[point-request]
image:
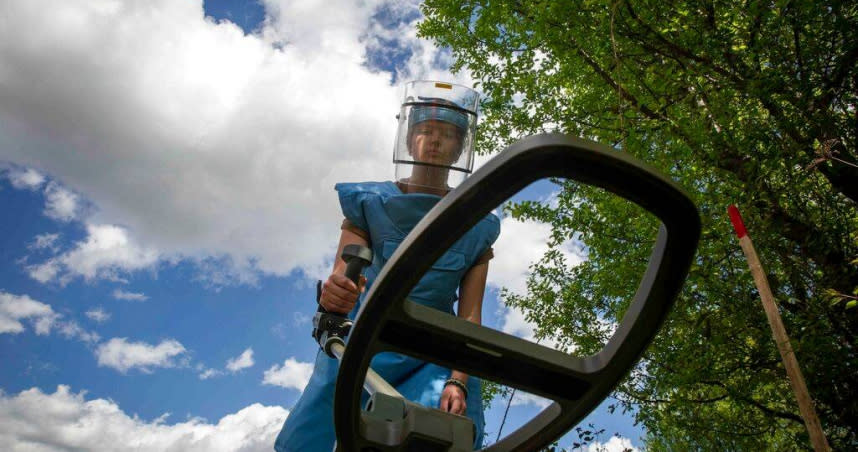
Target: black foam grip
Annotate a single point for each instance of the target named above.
(353, 270)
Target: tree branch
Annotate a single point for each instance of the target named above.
(743, 398)
(679, 50)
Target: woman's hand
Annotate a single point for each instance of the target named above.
(453, 400)
(339, 294)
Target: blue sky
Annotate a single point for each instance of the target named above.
(166, 173)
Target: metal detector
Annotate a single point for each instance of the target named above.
(387, 321)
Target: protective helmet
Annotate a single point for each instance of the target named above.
(435, 142)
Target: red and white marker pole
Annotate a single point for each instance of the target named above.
(796, 380)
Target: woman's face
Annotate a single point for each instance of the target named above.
(435, 142)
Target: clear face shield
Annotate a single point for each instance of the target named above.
(434, 150)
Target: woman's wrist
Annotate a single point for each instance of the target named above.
(459, 375)
(457, 383)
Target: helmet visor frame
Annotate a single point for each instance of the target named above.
(436, 135)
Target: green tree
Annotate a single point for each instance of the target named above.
(752, 103)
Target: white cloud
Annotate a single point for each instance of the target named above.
(200, 140)
(71, 330)
(310, 29)
(44, 241)
(286, 330)
(292, 374)
(44, 272)
(242, 361)
(64, 421)
(523, 398)
(26, 178)
(106, 252)
(120, 294)
(217, 272)
(98, 315)
(428, 62)
(300, 318)
(281, 330)
(205, 374)
(521, 244)
(15, 308)
(615, 444)
(60, 203)
(119, 354)
(107, 249)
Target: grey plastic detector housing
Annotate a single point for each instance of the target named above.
(388, 322)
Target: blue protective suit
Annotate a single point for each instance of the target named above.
(381, 209)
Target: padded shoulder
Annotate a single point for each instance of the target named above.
(353, 195)
(491, 226)
(385, 188)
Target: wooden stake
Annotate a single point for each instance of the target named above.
(805, 403)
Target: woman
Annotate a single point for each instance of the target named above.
(433, 152)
